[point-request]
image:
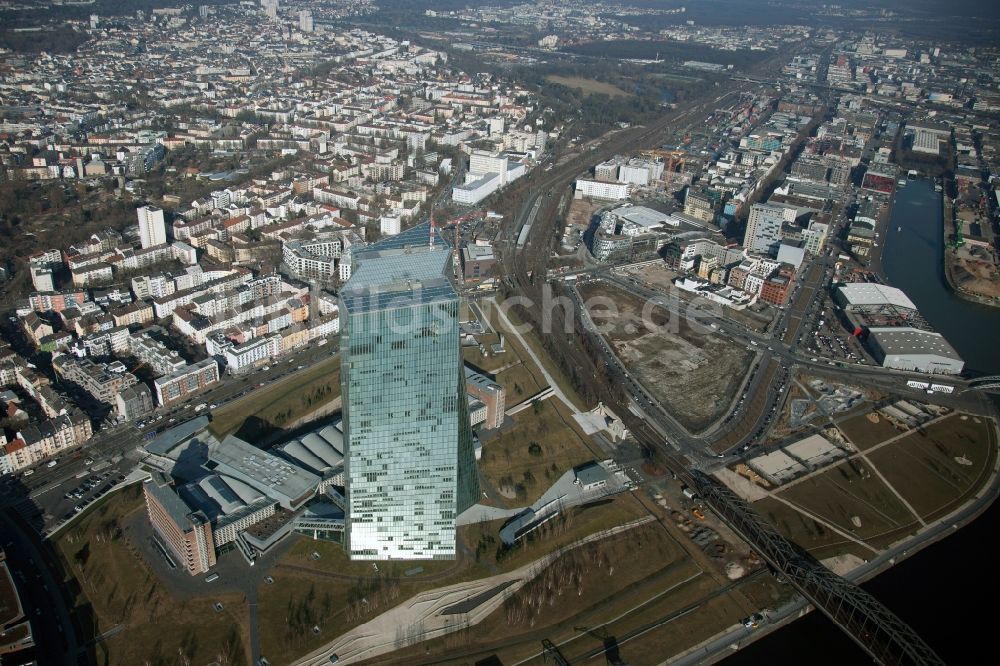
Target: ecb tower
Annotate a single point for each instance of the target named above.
(410, 465)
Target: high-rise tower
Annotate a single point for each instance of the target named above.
(410, 464)
(152, 228)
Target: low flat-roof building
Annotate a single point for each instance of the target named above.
(907, 348)
(290, 485)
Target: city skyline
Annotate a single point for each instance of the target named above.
(392, 331)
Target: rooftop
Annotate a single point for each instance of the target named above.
(641, 215)
(903, 340)
(263, 471)
(870, 293)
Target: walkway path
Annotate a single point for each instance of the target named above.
(824, 522)
(512, 329)
(431, 614)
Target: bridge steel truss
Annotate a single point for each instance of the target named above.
(876, 629)
(991, 383)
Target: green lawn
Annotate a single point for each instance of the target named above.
(588, 86)
(279, 405)
(119, 587)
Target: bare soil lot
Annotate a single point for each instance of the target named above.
(693, 373)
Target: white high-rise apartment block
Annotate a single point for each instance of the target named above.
(152, 229)
(763, 235)
(482, 162)
(305, 20)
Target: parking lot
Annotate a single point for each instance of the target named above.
(91, 489)
(826, 336)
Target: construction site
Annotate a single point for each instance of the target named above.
(692, 373)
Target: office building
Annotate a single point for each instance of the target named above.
(595, 189)
(410, 467)
(478, 261)
(152, 228)
(490, 394)
(185, 382)
(763, 235)
(187, 533)
(42, 277)
(134, 403)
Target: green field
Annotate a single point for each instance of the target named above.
(270, 409)
(588, 86)
(119, 588)
(335, 594)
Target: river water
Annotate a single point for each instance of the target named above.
(912, 261)
(938, 590)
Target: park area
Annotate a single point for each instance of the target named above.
(693, 373)
(634, 592)
(271, 410)
(588, 86)
(527, 457)
(898, 482)
(143, 622)
(319, 594)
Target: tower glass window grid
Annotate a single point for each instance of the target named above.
(410, 467)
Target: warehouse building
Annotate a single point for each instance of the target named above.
(908, 348)
(893, 330)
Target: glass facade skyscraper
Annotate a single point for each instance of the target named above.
(410, 465)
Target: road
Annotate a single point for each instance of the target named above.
(41, 498)
(41, 594)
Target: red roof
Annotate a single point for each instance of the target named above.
(14, 445)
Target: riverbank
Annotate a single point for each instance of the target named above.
(950, 261)
(882, 227)
(921, 581)
(886, 577)
(911, 258)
